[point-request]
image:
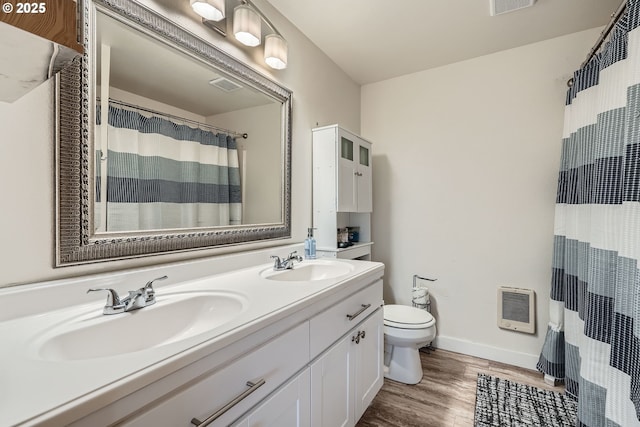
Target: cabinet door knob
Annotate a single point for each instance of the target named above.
(356, 338)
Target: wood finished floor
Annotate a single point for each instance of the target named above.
(446, 395)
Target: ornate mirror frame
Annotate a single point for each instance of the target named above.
(75, 243)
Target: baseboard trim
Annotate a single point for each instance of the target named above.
(516, 358)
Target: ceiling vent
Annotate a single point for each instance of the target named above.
(225, 84)
(498, 7)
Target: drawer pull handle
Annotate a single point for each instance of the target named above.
(252, 387)
(359, 312)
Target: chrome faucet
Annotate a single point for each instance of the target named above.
(287, 263)
(139, 298)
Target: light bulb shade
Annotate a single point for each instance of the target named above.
(213, 10)
(247, 25)
(275, 51)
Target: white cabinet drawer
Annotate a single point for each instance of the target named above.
(274, 362)
(330, 325)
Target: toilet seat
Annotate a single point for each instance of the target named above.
(405, 317)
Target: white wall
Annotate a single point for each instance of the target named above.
(322, 94)
(465, 164)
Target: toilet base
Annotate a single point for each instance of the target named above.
(405, 365)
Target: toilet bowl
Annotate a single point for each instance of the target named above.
(406, 330)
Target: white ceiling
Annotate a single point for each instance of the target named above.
(143, 66)
(374, 40)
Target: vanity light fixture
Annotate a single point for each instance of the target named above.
(275, 51)
(247, 25)
(212, 10)
(247, 29)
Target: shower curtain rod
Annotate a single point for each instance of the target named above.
(182, 119)
(615, 16)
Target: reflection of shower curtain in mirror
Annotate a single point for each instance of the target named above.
(162, 175)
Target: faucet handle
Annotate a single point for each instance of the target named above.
(114, 304)
(293, 256)
(149, 292)
(112, 297)
(278, 262)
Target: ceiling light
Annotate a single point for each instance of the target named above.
(275, 51)
(247, 25)
(212, 10)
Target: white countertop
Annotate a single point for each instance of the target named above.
(35, 388)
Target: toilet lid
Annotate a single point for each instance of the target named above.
(405, 317)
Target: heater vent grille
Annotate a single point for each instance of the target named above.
(516, 309)
(498, 7)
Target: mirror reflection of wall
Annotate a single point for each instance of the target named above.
(173, 151)
(260, 160)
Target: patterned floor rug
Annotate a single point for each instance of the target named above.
(502, 402)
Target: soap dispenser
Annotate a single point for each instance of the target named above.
(310, 245)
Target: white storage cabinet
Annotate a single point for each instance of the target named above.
(342, 190)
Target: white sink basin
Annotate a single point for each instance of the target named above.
(308, 271)
(174, 317)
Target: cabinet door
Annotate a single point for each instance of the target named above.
(224, 390)
(290, 406)
(347, 173)
(332, 388)
(363, 178)
(368, 362)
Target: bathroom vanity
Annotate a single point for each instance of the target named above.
(298, 347)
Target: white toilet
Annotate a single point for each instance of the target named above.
(406, 330)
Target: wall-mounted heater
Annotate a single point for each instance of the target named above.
(498, 7)
(516, 309)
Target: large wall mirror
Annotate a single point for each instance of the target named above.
(165, 143)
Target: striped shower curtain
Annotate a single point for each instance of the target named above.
(593, 339)
(164, 175)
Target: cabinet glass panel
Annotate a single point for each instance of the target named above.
(364, 156)
(346, 149)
